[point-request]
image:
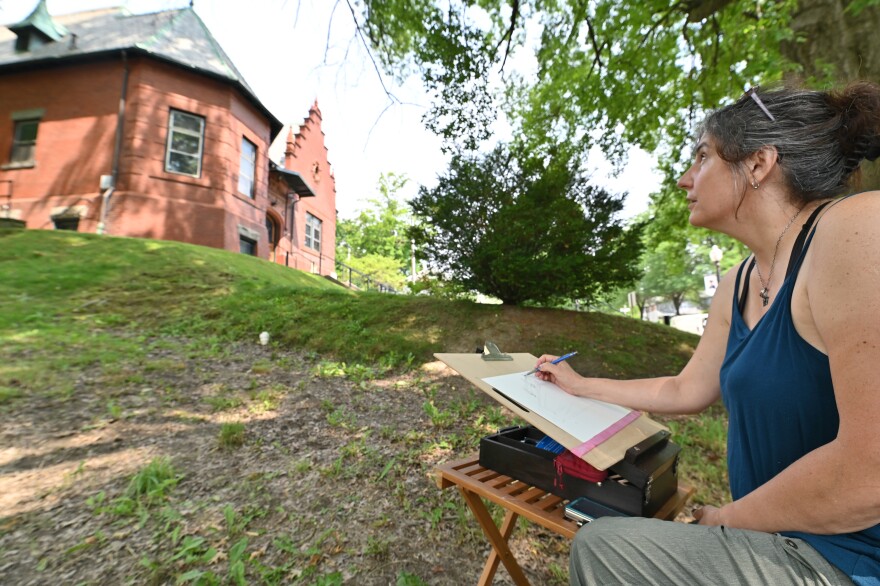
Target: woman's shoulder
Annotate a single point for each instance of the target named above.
(865, 200)
(857, 212)
(847, 235)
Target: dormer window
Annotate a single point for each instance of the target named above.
(37, 29)
(28, 40)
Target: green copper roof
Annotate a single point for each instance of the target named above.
(41, 20)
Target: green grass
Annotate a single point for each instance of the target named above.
(64, 295)
(231, 435)
(71, 303)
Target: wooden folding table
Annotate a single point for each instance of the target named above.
(516, 498)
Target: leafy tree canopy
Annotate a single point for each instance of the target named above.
(380, 228)
(671, 272)
(617, 71)
(376, 241)
(613, 72)
(525, 228)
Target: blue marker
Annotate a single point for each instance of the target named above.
(557, 361)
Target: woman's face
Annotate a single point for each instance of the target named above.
(711, 186)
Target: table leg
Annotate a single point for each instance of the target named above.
(492, 563)
(498, 541)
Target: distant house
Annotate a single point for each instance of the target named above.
(140, 125)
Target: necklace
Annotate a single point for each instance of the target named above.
(765, 287)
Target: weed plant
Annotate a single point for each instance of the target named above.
(231, 435)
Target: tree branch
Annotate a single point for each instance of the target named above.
(360, 34)
(698, 10)
(508, 35)
(582, 15)
(597, 60)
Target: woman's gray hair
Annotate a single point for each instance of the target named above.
(820, 137)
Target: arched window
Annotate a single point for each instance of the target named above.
(273, 233)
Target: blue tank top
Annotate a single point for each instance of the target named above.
(780, 400)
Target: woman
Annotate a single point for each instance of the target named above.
(792, 346)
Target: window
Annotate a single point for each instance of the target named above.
(24, 141)
(273, 230)
(66, 223)
(247, 246)
(186, 135)
(313, 232)
(247, 167)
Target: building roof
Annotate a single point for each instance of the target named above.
(179, 37)
(293, 179)
(41, 20)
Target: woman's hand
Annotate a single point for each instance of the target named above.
(708, 515)
(562, 374)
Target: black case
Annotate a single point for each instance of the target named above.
(638, 485)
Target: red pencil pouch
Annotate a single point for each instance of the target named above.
(568, 463)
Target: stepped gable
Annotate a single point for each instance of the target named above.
(306, 152)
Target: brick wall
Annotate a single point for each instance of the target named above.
(75, 144)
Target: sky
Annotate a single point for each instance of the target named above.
(292, 52)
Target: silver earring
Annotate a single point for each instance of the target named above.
(755, 184)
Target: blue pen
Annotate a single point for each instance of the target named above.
(557, 361)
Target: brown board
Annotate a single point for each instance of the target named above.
(475, 369)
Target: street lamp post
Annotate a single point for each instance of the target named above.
(413, 258)
(715, 255)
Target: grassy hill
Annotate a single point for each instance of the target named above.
(100, 333)
(61, 286)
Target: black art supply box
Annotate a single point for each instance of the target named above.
(638, 485)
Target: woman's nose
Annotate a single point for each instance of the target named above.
(685, 180)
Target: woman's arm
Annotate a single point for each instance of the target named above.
(695, 388)
(835, 488)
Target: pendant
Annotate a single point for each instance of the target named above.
(765, 295)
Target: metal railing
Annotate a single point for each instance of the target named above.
(355, 279)
(345, 275)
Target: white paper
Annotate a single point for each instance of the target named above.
(581, 417)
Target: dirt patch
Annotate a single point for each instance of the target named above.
(331, 484)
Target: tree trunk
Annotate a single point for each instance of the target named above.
(826, 35)
(835, 40)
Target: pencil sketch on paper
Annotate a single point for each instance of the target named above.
(581, 417)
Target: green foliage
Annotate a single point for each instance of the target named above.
(855, 7)
(375, 242)
(407, 579)
(382, 269)
(231, 435)
(147, 488)
(704, 451)
(671, 272)
(616, 71)
(522, 228)
(153, 482)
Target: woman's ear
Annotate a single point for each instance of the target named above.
(761, 163)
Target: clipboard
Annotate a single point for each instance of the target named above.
(472, 367)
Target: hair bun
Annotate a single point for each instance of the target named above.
(872, 153)
(858, 106)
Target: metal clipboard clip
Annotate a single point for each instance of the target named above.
(491, 353)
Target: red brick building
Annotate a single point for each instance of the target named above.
(140, 125)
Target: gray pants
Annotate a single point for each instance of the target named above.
(641, 552)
